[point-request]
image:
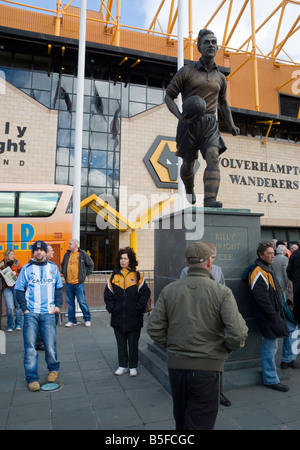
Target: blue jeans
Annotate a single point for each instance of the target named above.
(11, 306)
(268, 352)
(46, 325)
(72, 291)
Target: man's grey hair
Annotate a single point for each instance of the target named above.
(262, 247)
(76, 242)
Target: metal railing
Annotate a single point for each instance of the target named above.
(94, 287)
(94, 291)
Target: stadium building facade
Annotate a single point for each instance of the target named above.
(128, 150)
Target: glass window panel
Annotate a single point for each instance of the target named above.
(7, 202)
(85, 139)
(294, 234)
(155, 96)
(150, 106)
(84, 174)
(87, 86)
(114, 106)
(96, 190)
(41, 81)
(86, 104)
(114, 127)
(55, 83)
(253, 129)
(136, 108)
(67, 83)
(113, 144)
(115, 90)
(84, 177)
(102, 88)
(97, 177)
(294, 136)
(281, 234)
(62, 156)
(281, 134)
(65, 101)
(63, 138)
(113, 191)
(62, 175)
(99, 105)
(21, 78)
(27, 91)
(64, 119)
(84, 195)
(91, 218)
(37, 204)
(125, 101)
(85, 158)
(266, 233)
(85, 122)
(42, 97)
(113, 177)
(98, 141)
(137, 93)
(5, 74)
(98, 159)
(98, 123)
(113, 160)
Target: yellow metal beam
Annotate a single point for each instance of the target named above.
(278, 29)
(255, 71)
(226, 42)
(270, 123)
(116, 219)
(152, 26)
(287, 82)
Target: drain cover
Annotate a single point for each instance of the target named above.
(50, 387)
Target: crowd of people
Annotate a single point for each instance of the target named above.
(195, 319)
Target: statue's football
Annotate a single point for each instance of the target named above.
(193, 107)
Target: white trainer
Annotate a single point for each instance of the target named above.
(121, 370)
(133, 372)
(70, 324)
(88, 323)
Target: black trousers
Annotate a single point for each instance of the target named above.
(128, 351)
(296, 307)
(196, 395)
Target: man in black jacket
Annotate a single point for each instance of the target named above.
(293, 273)
(270, 316)
(76, 266)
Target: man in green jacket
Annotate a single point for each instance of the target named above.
(197, 320)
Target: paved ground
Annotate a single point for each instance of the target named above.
(93, 398)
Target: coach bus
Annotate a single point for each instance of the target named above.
(30, 212)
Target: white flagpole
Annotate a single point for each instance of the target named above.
(79, 123)
(180, 63)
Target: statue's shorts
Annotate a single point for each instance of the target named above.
(198, 135)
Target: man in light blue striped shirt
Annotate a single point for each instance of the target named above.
(39, 293)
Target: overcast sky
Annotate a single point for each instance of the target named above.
(140, 13)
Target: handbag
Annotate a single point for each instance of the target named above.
(148, 306)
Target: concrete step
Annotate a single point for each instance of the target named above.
(155, 360)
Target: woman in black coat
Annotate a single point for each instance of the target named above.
(126, 296)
